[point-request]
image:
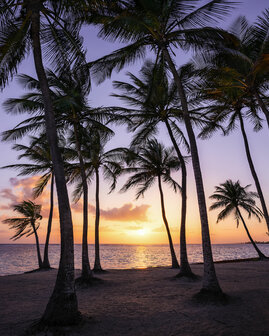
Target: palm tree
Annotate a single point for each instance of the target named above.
(153, 100)
(152, 162)
(28, 224)
(96, 159)
(225, 104)
(25, 26)
(245, 55)
(38, 153)
(163, 26)
(231, 197)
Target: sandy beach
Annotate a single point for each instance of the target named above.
(146, 302)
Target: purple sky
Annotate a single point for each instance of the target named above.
(221, 158)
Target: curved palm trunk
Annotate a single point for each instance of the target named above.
(263, 108)
(37, 246)
(46, 263)
(86, 274)
(62, 307)
(261, 255)
(185, 269)
(210, 281)
(172, 251)
(97, 263)
(253, 171)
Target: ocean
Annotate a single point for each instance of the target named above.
(19, 258)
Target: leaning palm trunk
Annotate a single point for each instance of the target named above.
(172, 251)
(46, 263)
(62, 307)
(210, 281)
(86, 274)
(97, 263)
(261, 255)
(253, 171)
(185, 269)
(37, 246)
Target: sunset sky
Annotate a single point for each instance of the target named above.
(123, 219)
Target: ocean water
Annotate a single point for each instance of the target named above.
(18, 258)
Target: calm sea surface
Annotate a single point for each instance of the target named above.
(18, 258)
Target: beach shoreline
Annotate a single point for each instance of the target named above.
(146, 302)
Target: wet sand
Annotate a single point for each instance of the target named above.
(146, 302)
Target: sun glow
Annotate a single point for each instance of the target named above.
(141, 232)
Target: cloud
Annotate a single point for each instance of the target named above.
(125, 213)
(22, 189)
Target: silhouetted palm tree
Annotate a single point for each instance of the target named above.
(152, 162)
(232, 197)
(28, 224)
(225, 105)
(38, 153)
(96, 159)
(151, 101)
(162, 26)
(26, 26)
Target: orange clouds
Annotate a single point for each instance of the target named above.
(127, 213)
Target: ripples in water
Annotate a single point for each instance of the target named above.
(18, 258)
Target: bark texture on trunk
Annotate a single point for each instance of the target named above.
(172, 251)
(86, 274)
(62, 308)
(210, 281)
(97, 262)
(253, 171)
(37, 246)
(46, 263)
(185, 269)
(261, 255)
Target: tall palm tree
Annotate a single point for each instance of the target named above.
(96, 159)
(28, 224)
(152, 100)
(231, 197)
(151, 163)
(227, 106)
(163, 26)
(27, 26)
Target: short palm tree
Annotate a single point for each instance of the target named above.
(151, 163)
(27, 224)
(232, 198)
(38, 153)
(163, 27)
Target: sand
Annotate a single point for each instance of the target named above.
(146, 302)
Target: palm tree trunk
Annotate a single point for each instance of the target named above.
(185, 269)
(62, 307)
(172, 251)
(37, 246)
(97, 263)
(253, 171)
(261, 255)
(210, 281)
(86, 274)
(46, 263)
(262, 106)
